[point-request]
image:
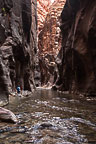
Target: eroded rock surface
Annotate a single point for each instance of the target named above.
(77, 69)
(49, 37)
(17, 44)
(42, 10)
(49, 43)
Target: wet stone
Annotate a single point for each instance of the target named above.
(45, 125)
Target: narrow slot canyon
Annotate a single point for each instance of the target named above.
(47, 72)
(49, 41)
(66, 43)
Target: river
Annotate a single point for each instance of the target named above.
(50, 117)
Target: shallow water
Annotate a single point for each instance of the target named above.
(49, 117)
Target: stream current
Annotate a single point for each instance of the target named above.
(50, 117)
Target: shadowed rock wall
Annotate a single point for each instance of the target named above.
(34, 46)
(77, 69)
(17, 44)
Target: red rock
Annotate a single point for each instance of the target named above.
(42, 10)
(49, 40)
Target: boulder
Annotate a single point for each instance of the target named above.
(7, 115)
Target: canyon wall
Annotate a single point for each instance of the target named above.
(49, 42)
(42, 10)
(49, 37)
(17, 45)
(77, 69)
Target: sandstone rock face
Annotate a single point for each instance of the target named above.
(42, 10)
(49, 37)
(17, 44)
(34, 47)
(77, 69)
(49, 42)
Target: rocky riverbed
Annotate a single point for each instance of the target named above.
(52, 118)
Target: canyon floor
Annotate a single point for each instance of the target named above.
(50, 117)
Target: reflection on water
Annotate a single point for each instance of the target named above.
(48, 117)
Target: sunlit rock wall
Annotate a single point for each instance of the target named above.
(17, 45)
(49, 42)
(49, 37)
(42, 10)
(77, 70)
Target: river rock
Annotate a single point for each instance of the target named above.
(45, 125)
(7, 115)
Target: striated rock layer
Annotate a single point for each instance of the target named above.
(49, 37)
(17, 45)
(49, 42)
(42, 10)
(77, 69)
